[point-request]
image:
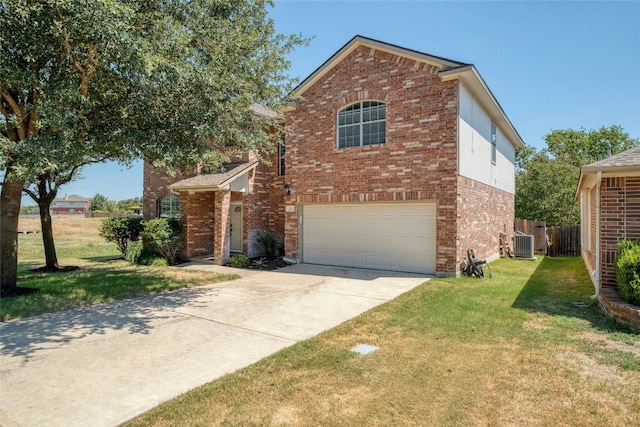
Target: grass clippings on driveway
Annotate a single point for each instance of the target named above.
(526, 347)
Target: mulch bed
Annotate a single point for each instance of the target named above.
(263, 263)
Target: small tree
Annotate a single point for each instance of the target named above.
(121, 231)
(162, 235)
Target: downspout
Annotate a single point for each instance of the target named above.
(596, 272)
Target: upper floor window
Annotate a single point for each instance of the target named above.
(281, 151)
(362, 123)
(169, 207)
(494, 140)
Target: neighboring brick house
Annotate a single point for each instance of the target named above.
(609, 196)
(395, 160)
(71, 205)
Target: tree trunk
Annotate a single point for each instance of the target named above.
(10, 199)
(47, 234)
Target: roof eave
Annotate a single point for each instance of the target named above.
(588, 175)
(358, 41)
(223, 185)
(470, 76)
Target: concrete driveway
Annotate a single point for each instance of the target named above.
(103, 365)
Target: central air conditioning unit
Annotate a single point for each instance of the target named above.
(523, 245)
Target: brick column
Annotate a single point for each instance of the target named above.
(291, 228)
(221, 228)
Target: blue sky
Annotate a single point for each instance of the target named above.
(551, 65)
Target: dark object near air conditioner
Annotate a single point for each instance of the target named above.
(523, 245)
(473, 266)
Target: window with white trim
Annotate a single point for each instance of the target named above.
(494, 140)
(169, 207)
(362, 123)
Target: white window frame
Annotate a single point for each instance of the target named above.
(174, 202)
(361, 123)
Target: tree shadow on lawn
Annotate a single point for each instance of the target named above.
(28, 336)
(561, 286)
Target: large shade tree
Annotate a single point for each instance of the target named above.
(546, 180)
(168, 80)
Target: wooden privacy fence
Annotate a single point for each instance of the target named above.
(564, 240)
(552, 241)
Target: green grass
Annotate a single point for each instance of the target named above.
(515, 349)
(99, 278)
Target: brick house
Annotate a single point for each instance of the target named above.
(395, 159)
(70, 205)
(609, 196)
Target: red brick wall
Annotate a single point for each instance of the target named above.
(619, 219)
(196, 212)
(155, 186)
(262, 208)
(417, 162)
(483, 213)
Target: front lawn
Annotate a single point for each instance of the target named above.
(100, 277)
(526, 347)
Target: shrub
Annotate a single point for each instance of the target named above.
(137, 253)
(268, 242)
(121, 231)
(627, 268)
(162, 235)
(260, 262)
(239, 261)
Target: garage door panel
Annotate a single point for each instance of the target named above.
(395, 236)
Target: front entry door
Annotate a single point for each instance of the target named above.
(236, 228)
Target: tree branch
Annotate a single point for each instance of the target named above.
(17, 110)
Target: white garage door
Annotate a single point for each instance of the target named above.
(387, 236)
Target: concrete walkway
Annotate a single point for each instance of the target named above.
(103, 365)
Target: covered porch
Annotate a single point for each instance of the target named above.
(213, 211)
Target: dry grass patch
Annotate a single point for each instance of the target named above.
(72, 226)
(508, 351)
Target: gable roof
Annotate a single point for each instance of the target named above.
(214, 181)
(449, 70)
(358, 41)
(626, 163)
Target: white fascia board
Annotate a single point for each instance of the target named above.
(476, 85)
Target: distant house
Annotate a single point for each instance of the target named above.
(609, 196)
(71, 205)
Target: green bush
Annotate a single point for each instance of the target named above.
(121, 231)
(627, 268)
(163, 235)
(239, 260)
(268, 242)
(137, 253)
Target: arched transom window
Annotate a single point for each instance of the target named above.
(362, 123)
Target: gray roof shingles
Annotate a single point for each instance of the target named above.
(626, 159)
